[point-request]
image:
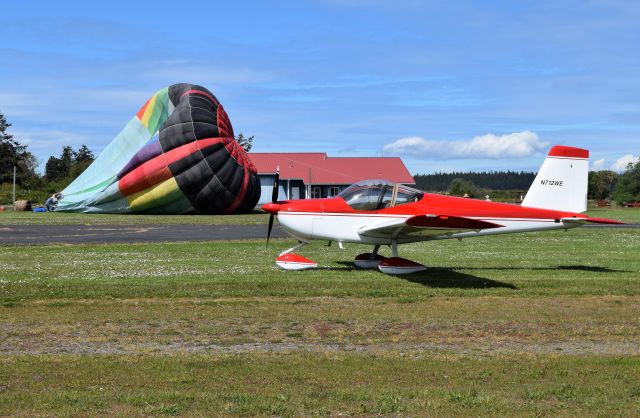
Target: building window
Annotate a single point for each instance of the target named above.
(334, 191)
(316, 192)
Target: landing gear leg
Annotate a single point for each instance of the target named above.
(295, 247)
(289, 261)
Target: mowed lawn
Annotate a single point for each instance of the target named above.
(530, 324)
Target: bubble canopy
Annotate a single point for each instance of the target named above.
(376, 194)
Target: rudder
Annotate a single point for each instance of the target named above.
(561, 183)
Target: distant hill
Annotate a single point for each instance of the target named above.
(491, 180)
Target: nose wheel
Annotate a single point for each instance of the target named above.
(289, 261)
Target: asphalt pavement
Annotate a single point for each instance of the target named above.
(104, 234)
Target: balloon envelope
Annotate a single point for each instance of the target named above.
(177, 155)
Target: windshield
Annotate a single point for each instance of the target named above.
(378, 194)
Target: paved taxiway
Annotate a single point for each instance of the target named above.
(104, 234)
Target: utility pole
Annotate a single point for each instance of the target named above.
(14, 187)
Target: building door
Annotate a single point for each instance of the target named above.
(295, 192)
(266, 187)
(316, 192)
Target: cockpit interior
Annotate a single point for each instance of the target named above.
(379, 194)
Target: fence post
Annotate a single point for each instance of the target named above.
(14, 187)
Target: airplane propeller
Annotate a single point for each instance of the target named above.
(274, 199)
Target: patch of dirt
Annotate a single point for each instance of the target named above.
(14, 347)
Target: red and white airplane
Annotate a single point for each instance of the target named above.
(379, 212)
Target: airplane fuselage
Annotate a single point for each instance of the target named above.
(380, 212)
(332, 219)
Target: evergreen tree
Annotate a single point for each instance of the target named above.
(66, 161)
(69, 165)
(462, 187)
(492, 180)
(628, 186)
(81, 160)
(245, 142)
(52, 169)
(601, 184)
(14, 154)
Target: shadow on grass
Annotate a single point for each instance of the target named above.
(441, 277)
(449, 278)
(594, 269)
(445, 277)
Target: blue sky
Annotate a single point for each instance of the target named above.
(456, 85)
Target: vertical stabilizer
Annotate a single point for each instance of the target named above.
(561, 183)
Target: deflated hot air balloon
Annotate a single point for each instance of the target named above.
(193, 165)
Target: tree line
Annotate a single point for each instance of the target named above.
(508, 185)
(491, 180)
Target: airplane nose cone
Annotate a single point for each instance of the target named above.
(271, 207)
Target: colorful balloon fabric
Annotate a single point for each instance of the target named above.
(192, 165)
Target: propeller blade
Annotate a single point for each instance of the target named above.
(270, 227)
(274, 199)
(276, 183)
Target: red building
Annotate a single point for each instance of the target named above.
(314, 174)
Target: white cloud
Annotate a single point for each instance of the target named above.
(598, 165)
(23, 104)
(620, 165)
(489, 146)
(48, 140)
(46, 143)
(110, 98)
(622, 162)
(206, 75)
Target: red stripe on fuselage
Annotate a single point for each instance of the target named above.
(368, 215)
(432, 204)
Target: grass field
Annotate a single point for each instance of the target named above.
(531, 324)
(303, 384)
(629, 215)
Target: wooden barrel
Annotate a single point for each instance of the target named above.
(20, 206)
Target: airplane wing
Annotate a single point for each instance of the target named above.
(425, 225)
